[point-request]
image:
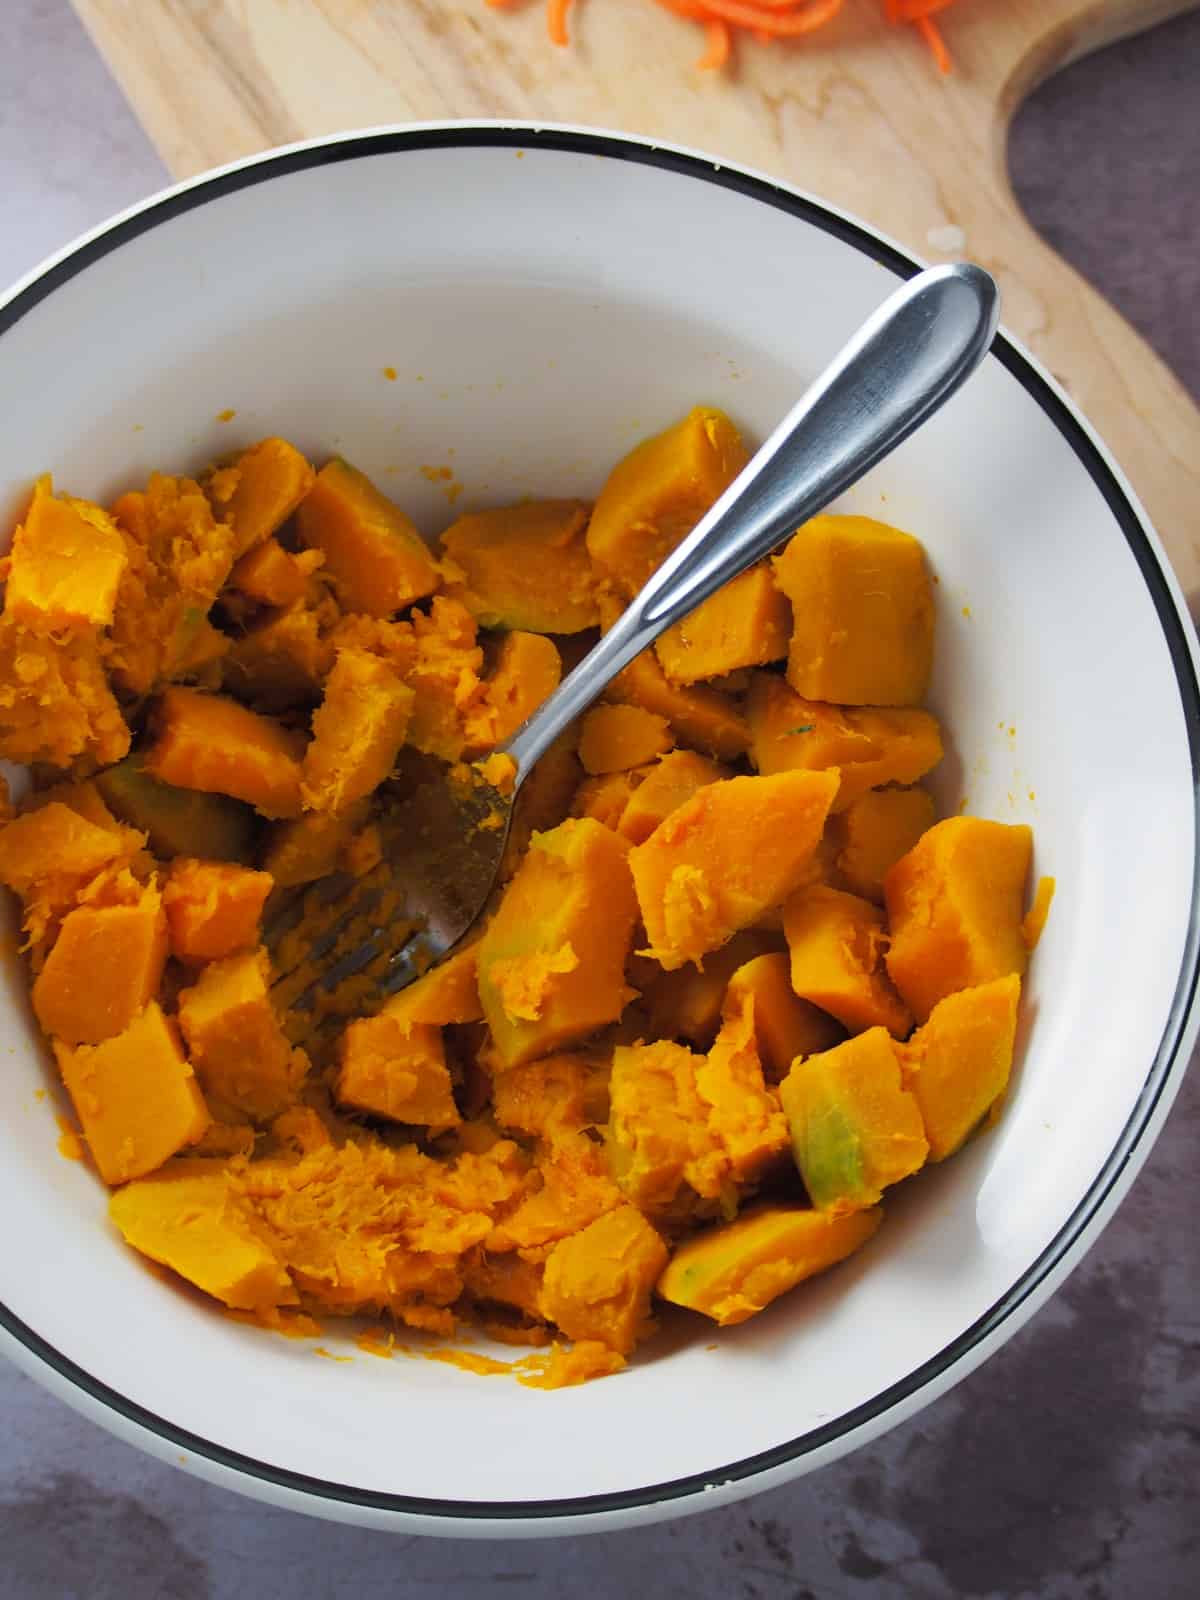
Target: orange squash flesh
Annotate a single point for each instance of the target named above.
(373, 553)
(723, 902)
(696, 886)
(135, 1096)
(209, 743)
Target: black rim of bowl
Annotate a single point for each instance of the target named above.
(614, 147)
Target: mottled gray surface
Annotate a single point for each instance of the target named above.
(1067, 1468)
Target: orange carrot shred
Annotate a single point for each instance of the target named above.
(556, 20)
(717, 46)
(768, 20)
(932, 35)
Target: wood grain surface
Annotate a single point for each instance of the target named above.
(856, 115)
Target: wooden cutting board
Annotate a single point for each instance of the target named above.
(856, 114)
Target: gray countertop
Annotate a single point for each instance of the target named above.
(1067, 1467)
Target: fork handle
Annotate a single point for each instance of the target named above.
(898, 369)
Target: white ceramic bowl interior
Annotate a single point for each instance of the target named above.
(545, 300)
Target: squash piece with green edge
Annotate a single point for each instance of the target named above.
(957, 1064)
(376, 558)
(698, 880)
(868, 746)
(855, 1128)
(863, 614)
(655, 496)
(524, 567)
(177, 821)
(135, 1095)
(837, 943)
(729, 1273)
(187, 1218)
(955, 904)
(552, 960)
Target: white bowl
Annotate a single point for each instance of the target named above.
(547, 297)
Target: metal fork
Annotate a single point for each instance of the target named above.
(443, 844)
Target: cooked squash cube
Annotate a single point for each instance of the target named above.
(747, 623)
(855, 1127)
(552, 960)
(187, 1218)
(274, 576)
(179, 557)
(213, 908)
(206, 742)
(598, 1282)
(238, 1048)
(104, 966)
(377, 560)
(743, 1115)
(733, 851)
(731, 1272)
(309, 847)
(175, 821)
(526, 566)
(398, 1072)
(135, 1096)
(451, 712)
(260, 491)
(871, 835)
(616, 738)
(559, 1094)
(56, 705)
(958, 1063)
(543, 800)
(573, 1188)
(67, 560)
(785, 1026)
(954, 906)
(447, 993)
(606, 797)
(281, 662)
(686, 1002)
(703, 718)
(528, 669)
(357, 732)
(863, 612)
(673, 779)
(658, 1134)
(658, 493)
(867, 747)
(55, 850)
(837, 943)
(506, 1280)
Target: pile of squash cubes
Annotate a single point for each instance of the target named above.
(739, 979)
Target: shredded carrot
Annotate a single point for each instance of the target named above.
(556, 20)
(768, 20)
(717, 47)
